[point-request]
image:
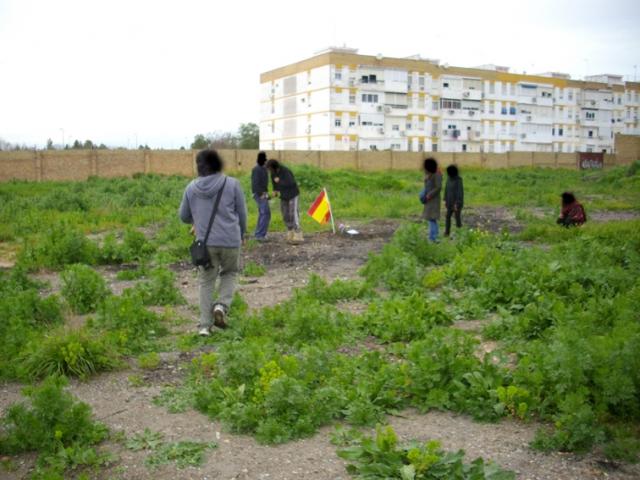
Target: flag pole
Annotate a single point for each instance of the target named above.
(333, 225)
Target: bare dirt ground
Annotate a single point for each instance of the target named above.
(127, 408)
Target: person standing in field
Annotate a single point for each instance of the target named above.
(225, 238)
(285, 186)
(572, 212)
(432, 188)
(260, 191)
(453, 198)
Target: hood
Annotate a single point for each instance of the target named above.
(207, 187)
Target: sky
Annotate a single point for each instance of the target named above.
(130, 72)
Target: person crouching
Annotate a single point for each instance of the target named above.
(285, 186)
(572, 212)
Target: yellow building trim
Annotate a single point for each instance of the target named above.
(425, 67)
(339, 138)
(353, 138)
(338, 89)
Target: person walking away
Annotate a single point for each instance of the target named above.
(572, 212)
(225, 238)
(453, 198)
(432, 188)
(260, 191)
(285, 186)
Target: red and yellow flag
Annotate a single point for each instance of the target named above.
(320, 209)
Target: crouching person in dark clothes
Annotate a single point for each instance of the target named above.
(572, 212)
(286, 187)
(225, 237)
(453, 198)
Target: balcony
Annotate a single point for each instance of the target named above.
(535, 138)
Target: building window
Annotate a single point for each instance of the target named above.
(512, 110)
(369, 98)
(395, 127)
(396, 146)
(591, 115)
(421, 81)
(492, 87)
(435, 105)
(445, 84)
(553, 132)
(503, 111)
(434, 147)
(590, 133)
(338, 76)
(352, 123)
(338, 122)
(369, 79)
(464, 147)
(449, 104)
(352, 99)
(408, 126)
(570, 95)
(560, 132)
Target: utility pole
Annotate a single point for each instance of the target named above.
(62, 147)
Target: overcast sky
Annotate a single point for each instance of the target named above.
(158, 72)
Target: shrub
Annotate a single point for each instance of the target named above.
(129, 325)
(83, 288)
(60, 245)
(158, 289)
(55, 425)
(149, 361)
(74, 353)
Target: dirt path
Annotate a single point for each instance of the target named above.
(124, 407)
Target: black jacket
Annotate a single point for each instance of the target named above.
(259, 180)
(454, 193)
(287, 185)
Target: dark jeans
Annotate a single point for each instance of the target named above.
(264, 216)
(447, 225)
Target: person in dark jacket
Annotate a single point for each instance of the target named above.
(572, 212)
(225, 238)
(285, 186)
(432, 188)
(260, 190)
(453, 198)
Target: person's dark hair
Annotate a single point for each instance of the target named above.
(568, 198)
(262, 159)
(431, 165)
(452, 171)
(208, 162)
(273, 165)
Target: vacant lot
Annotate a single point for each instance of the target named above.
(517, 341)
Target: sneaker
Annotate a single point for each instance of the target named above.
(204, 332)
(219, 316)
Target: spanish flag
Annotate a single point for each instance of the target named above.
(320, 209)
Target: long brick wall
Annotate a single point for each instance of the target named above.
(81, 164)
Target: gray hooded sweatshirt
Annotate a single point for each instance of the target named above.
(230, 223)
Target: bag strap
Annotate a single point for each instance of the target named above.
(214, 211)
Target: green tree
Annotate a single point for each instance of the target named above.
(76, 145)
(199, 142)
(102, 146)
(88, 145)
(49, 144)
(249, 136)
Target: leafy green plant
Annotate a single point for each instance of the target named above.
(182, 453)
(382, 457)
(129, 325)
(253, 269)
(56, 426)
(149, 361)
(159, 288)
(68, 352)
(83, 288)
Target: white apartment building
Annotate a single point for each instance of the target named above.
(340, 100)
